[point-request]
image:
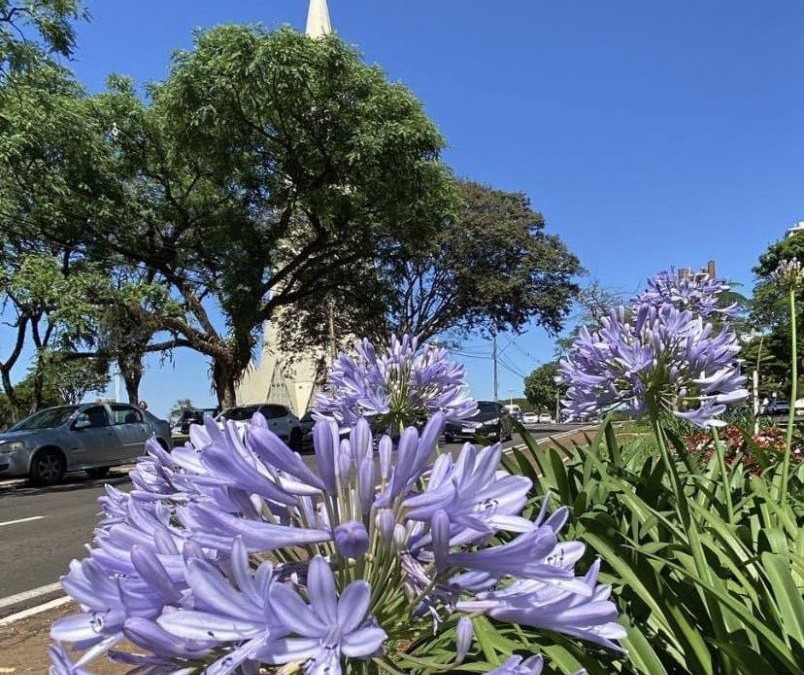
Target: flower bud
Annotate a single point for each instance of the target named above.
(463, 638)
(351, 539)
(400, 536)
(367, 483)
(439, 529)
(386, 446)
(385, 524)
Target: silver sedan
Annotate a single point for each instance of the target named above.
(91, 437)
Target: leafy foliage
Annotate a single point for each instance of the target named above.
(771, 350)
(540, 386)
(491, 268)
(719, 593)
(28, 396)
(30, 29)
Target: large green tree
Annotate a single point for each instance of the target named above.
(263, 172)
(59, 175)
(541, 389)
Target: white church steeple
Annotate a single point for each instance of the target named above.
(318, 24)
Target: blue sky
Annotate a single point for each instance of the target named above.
(649, 134)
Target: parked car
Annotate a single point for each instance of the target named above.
(777, 408)
(530, 418)
(491, 421)
(91, 437)
(192, 416)
(545, 418)
(513, 410)
(279, 417)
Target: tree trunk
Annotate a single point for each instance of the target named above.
(223, 378)
(11, 395)
(131, 370)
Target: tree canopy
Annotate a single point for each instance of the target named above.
(540, 386)
(492, 267)
(770, 348)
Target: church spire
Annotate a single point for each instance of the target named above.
(318, 24)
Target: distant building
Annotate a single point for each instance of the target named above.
(798, 227)
(687, 272)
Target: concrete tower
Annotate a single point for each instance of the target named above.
(318, 24)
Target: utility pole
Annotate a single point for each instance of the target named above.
(494, 358)
(333, 347)
(558, 405)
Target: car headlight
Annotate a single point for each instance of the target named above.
(491, 423)
(12, 446)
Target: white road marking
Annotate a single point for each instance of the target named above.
(27, 595)
(44, 607)
(22, 520)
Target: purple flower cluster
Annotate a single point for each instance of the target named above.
(654, 358)
(697, 293)
(789, 274)
(404, 385)
(231, 555)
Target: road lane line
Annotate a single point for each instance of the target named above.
(22, 520)
(32, 611)
(27, 595)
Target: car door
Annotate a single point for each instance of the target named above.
(93, 438)
(131, 430)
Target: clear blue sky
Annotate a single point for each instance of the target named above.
(649, 134)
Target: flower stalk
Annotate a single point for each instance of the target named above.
(791, 418)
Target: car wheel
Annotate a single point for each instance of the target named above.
(48, 467)
(295, 442)
(99, 472)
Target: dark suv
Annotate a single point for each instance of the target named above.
(492, 421)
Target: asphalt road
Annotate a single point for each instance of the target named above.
(43, 529)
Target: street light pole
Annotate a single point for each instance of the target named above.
(494, 358)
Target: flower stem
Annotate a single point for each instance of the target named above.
(791, 418)
(725, 478)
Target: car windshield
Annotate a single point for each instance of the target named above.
(46, 419)
(487, 408)
(238, 414)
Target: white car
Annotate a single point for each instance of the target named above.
(279, 417)
(544, 418)
(530, 418)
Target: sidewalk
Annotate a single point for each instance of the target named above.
(23, 646)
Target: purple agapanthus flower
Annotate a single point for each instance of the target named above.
(590, 616)
(659, 359)
(697, 293)
(326, 628)
(404, 385)
(234, 553)
(516, 665)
